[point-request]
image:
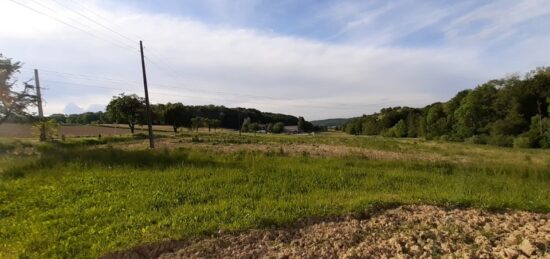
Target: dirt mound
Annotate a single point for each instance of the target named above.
(404, 232)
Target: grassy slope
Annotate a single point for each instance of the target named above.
(81, 201)
(330, 122)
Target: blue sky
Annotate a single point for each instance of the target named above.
(318, 59)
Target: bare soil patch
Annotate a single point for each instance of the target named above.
(13, 130)
(405, 232)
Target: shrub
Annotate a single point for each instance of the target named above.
(279, 127)
(501, 140)
(477, 139)
(444, 138)
(523, 142)
(544, 141)
(388, 133)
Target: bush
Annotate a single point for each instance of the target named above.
(523, 142)
(501, 140)
(544, 141)
(388, 133)
(279, 127)
(443, 138)
(477, 139)
(455, 138)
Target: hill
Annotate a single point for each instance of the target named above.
(511, 111)
(330, 122)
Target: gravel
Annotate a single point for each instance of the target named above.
(405, 232)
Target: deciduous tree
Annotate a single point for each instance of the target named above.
(126, 108)
(13, 102)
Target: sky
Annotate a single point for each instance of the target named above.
(313, 58)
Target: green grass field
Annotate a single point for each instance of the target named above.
(86, 197)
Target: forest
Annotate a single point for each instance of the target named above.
(130, 109)
(511, 111)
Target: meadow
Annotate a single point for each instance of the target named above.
(85, 197)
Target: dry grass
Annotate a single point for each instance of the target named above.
(294, 149)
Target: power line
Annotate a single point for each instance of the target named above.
(81, 23)
(134, 39)
(94, 21)
(88, 77)
(167, 87)
(67, 24)
(111, 88)
(76, 2)
(336, 106)
(87, 85)
(157, 85)
(171, 72)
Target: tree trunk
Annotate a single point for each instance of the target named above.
(175, 129)
(131, 125)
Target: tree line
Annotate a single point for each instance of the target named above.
(16, 101)
(512, 111)
(130, 109)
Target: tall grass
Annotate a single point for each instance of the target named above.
(77, 201)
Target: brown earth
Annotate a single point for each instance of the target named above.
(405, 232)
(13, 130)
(86, 130)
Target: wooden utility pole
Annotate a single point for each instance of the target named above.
(147, 106)
(39, 104)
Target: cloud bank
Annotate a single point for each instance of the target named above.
(372, 56)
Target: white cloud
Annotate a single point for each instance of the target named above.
(496, 18)
(71, 108)
(203, 64)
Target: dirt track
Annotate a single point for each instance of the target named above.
(404, 232)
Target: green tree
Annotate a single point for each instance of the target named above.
(278, 127)
(512, 124)
(127, 109)
(215, 124)
(476, 111)
(436, 121)
(158, 112)
(196, 123)
(246, 125)
(400, 129)
(177, 116)
(413, 125)
(48, 127)
(58, 118)
(253, 127)
(13, 103)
